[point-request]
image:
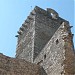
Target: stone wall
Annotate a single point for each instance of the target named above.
(47, 40)
(55, 58)
(69, 61)
(25, 45)
(13, 66)
(45, 27)
(35, 33)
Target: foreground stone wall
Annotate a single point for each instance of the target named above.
(55, 59)
(13, 66)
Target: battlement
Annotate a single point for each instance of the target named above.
(40, 10)
(50, 13)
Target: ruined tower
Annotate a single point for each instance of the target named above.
(46, 39)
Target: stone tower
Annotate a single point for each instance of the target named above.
(46, 39)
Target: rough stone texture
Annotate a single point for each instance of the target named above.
(57, 58)
(45, 27)
(13, 66)
(44, 39)
(35, 32)
(26, 40)
(48, 41)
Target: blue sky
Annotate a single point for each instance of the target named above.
(14, 12)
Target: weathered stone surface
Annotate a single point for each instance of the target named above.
(36, 34)
(48, 41)
(13, 66)
(45, 40)
(57, 57)
(53, 13)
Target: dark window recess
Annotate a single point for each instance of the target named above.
(57, 41)
(40, 62)
(45, 56)
(61, 22)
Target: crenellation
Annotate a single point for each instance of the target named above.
(30, 17)
(19, 32)
(24, 25)
(16, 35)
(27, 20)
(33, 13)
(40, 11)
(71, 26)
(22, 28)
(52, 13)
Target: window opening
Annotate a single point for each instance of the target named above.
(45, 56)
(57, 41)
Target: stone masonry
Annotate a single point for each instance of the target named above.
(45, 46)
(35, 33)
(57, 58)
(13, 66)
(46, 39)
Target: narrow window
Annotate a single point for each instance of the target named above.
(57, 41)
(45, 56)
